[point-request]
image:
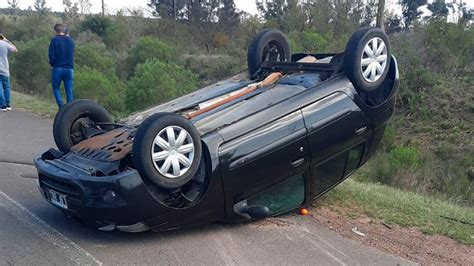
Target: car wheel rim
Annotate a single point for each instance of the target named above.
(273, 52)
(77, 129)
(373, 60)
(172, 151)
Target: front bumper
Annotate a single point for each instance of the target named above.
(117, 199)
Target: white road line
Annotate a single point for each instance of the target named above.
(74, 252)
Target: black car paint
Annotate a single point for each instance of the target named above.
(250, 146)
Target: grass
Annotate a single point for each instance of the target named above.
(406, 209)
(33, 104)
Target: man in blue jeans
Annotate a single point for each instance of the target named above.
(61, 59)
(6, 47)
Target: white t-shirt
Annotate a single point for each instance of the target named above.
(5, 49)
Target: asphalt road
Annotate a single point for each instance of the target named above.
(33, 232)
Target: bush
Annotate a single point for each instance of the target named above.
(156, 82)
(150, 48)
(116, 37)
(112, 32)
(450, 46)
(92, 84)
(312, 42)
(97, 24)
(415, 77)
(95, 56)
(247, 29)
(388, 167)
(211, 68)
(87, 37)
(30, 67)
(33, 26)
(388, 140)
(221, 40)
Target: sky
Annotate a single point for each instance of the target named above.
(114, 5)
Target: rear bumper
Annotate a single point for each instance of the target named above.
(116, 199)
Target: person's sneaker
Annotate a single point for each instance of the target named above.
(3, 109)
(9, 108)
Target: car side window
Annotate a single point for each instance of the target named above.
(285, 196)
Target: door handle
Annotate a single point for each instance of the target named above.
(297, 163)
(360, 130)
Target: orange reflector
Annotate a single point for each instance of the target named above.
(304, 211)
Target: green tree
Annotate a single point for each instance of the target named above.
(229, 18)
(198, 11)
(465, 13)
(13, 4)
(410, 11)
(294, 17)
(30, 67)
(337, 17)
(272, 11)
(71, 11)
(32, 26)
(321, 15)
(85, 6)
(40, 6)
(150, 48)
(439, 9)
(369, 13)
(98, 25)
(96, 57)
(348, 15)
(393, 23)
(166, 8)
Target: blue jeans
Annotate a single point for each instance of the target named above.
(4, 91)
(65, 75)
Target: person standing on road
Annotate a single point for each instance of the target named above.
(61, 59)
(6, 47)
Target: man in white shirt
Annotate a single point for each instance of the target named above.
(6, 47)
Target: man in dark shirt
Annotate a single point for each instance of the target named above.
(61, 59)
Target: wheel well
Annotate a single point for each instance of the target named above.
(190, 193)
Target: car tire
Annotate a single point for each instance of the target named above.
(267, 45)
(167, 150)
(70, 120)
(366, 64)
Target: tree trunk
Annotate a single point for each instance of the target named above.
(103, 8)
(380, 19)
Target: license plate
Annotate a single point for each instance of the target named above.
(57, 198)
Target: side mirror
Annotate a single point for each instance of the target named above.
(258, 211)
(251, 211)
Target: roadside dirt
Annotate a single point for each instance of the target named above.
(408, 243)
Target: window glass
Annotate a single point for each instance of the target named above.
(353, 159)
(283, 197)
(329, 173)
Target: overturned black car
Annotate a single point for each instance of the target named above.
(252, 146)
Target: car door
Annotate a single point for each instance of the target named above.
(337, 135)
(264, 157)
